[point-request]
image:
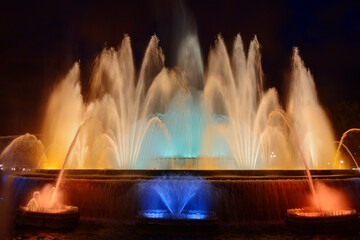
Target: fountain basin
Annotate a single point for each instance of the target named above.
(243, 197)
(58, 219)
(188, 223)
(306, 220)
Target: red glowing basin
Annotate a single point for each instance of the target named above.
(308, 220)
(67, 217)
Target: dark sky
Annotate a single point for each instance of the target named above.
(40, 40)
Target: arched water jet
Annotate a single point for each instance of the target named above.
(282, 113)
(350, 154)
(24, 153)
(341, 144)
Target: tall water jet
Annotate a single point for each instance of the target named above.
(121, 108)
(63, 116)
(235, 89)
(190, 62)
(309, 120)
(138, 120)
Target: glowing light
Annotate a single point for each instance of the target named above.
(341, 161)
(164, 214)
(180, 196)
(328, 199)
(273, 155)
(329, 202)
(313, 213)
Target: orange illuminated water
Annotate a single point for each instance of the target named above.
(327, 202)
(218, 114)
(47, 200)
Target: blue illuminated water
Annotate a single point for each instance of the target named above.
(160, 213)
(189, 135)
(182, 197)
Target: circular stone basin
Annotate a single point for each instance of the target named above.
(67, 217)
(188, 223)
(308, 220)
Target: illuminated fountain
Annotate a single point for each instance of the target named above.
(176, 204)
(46, 208)
(329, 211)
(24, 153)
(159, 118)
(177, 195)
(218, 122)
(120, 110)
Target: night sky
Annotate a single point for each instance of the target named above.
(40, 41)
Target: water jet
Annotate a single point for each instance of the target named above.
(226, 134)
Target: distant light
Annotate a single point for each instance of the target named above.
(355, 153)
(273, 155)
(1, 165)
(1, 198)
(328, 163)
(341, 161)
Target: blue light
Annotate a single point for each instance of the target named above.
(163, 214)
(193, 214)
(155, 214)
(176, 197)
